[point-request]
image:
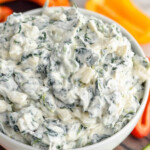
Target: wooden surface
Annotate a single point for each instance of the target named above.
(130, 142)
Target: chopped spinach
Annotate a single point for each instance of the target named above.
(51, 132)
(16, 42)
(81, 128)
(19, 29)
(43, 36)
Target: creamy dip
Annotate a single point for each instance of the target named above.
(67, 80)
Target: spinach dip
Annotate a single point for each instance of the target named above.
(67, 80)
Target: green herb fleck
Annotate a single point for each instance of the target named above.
(59, 147)
(81, 128)
(36, 141)
(44, 98)
(114, 68)
(113, 60)
(17, 42)
(43, 37)
(19, 29)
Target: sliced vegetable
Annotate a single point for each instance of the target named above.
(125, 8)
(42, 2)
(61, 2)
(4, 13)
(147, 147)
(52, 2)
(118, 11)
(143, 126)
(5, 1)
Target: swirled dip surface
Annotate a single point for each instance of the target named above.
(66, 80)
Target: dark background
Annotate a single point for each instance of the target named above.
(21, 5)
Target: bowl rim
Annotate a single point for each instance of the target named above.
(134, 45)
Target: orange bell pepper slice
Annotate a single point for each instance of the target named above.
(129, 11)
(42, 2)
(52, 2)
(145, 38)
(62, 2)
(140, 34)
(4, 13)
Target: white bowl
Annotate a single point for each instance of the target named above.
(113, 141)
